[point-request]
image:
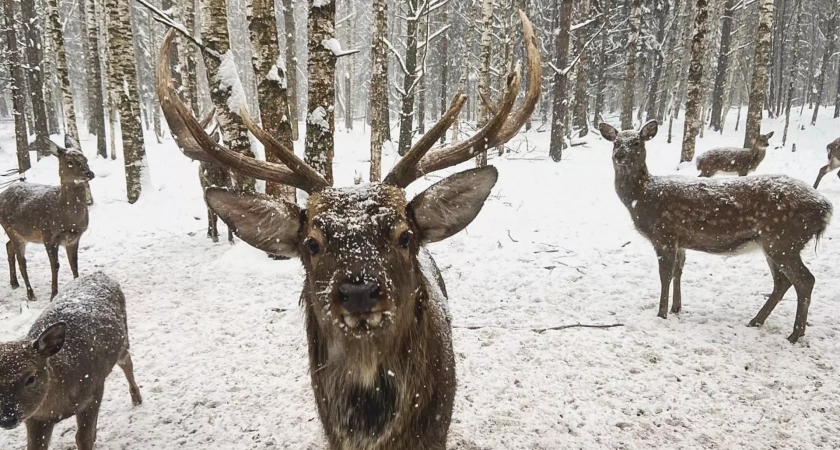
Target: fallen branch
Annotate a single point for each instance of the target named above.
(539, 330)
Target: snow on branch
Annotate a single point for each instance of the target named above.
(585, 23)
(167, 20)
(334, 46)
(568, 69)
(396, 54)
(434, 35)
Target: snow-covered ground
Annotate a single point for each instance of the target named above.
(220, 351)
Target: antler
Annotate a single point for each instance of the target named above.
(197, 144)
(501, 128)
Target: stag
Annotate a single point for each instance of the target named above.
(51, 215)
(833, 161)
(734, 160)
(380, 348)
(777, 213)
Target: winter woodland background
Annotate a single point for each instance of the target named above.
(217, 336)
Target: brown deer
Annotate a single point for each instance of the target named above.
(380, 348)
(735, 160)
(777, 213)
(833, 161)
(214, 174)
(50, 215)
(59, 369)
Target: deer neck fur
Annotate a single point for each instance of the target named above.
(630, 183)
(73, 198)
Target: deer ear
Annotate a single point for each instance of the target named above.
(270, 225)
(449, 205)
(51, 340)
(71, 142)
(770, 134)
(649, 130)
(608, 131)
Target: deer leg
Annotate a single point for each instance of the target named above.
(52, 254)
(20, 254)
(230, 236)
(10, 252)
(86, 420)
(676, 304)
(38, 434)
(780, 286)
(803, 281)
(820, 175)
(667, 259)
(127, 367)
(212, 222)
(73, 258)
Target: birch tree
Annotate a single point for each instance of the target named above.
(797, 33)
(61, 70)
(484, 72)
(378, 110)
(18, 83)
(717, 113)
(830, 32)
(560, 110)
(96, 102)
(124, 79)
(291, 64)
(320, 117)
(270, 73)
(582, 79)
(759, 78)
(693, 120)
(410, 77)
(629, 90)
(190, 75)
(34, 53)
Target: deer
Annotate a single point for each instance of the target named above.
(58, 369)
(51, 215)
(738, 160)
(833, 161)
(214, 174)
(775, 213)
(378, 329)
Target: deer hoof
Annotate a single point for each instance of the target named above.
(755, 323)
(14, 284)
(30, 295)
(794, 337)
(676, 309)
(214, 238)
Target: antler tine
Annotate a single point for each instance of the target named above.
(167, 97)
(518, 118)
(502, 126)
(401, 174)
(283, 153)
(197, 144)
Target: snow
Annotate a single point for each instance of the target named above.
(278, 72)
(229, 79)
(217, 334)
(318, 118)
(334, 46)
(321, 3)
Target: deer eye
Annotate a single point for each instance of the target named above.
(312, 245)
(30, 380)
(405, 239)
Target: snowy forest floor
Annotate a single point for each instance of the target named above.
(220, 350)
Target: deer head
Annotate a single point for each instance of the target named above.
(359, 245)
(629, 146)
(72, 164)
(26, 374)
(763, 140)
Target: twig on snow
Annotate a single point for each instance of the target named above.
(540, 330)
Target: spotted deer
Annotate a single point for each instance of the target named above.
(59, 369)
(51, 215)
(380, 347)
(734, 160)
(833, 161)
(776, 213)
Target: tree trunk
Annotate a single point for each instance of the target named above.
(96, 107)
(465, 64)
(629, 90)
(409, 80)
(759, 79)
(830, 30)
(320, 119)
(797, 33)
(291, 64)
(718, 114)
(484, 72)
(191, 61)
(603, 62)
(18, 83)
(423, 37)
(582, 81)
(663, 7)
(444, 66)
(125, 79)
(270, 73)
(693, 120)
(61, 69)
(560, 109)
(378, 110)
(34, 55)
(349, 66)
(224, 83)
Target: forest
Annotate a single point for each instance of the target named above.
(403, 224)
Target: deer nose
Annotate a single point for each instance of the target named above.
(89, 174)
(359, 296)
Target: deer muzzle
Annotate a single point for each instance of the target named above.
(9, 418)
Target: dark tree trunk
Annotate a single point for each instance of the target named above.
(444, 66)
(663, 7)
(409, 77)
(693, 119)
(830, 30)
(718, 115)
(18, 82)
(96, 107)
(629, 90)
(34, 55)
(560, 110)
(759, 80)
(603, 62)
(291, 64)
(320, 119)
(582, 81)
